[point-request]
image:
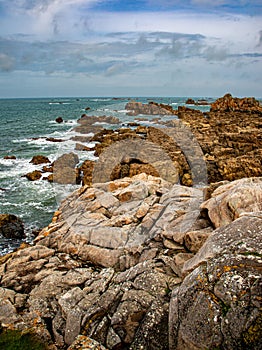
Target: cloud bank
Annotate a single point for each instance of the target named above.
(136, 48)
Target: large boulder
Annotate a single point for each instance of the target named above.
(64, 171)
(218, 305)
(231, 200)
(11, 226)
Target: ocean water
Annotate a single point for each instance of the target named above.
(24, 126)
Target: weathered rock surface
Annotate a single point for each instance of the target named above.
(64, 171)
(34, 175)
(88, 124)
(86, 172)
(218, 305)
(152, 108)
(102, 273)
(231, 141)
(104, 267)
(228, 103)
(11, 226)
(190, 101)
(228, 202)
(39, 159)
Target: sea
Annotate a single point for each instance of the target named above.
(25, 125)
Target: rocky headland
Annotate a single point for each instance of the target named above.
(152, 251)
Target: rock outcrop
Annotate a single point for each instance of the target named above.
(11, 226)
(228, 103)
(152, 108)
(231, 142)
(229, 201)
(94, 124)
(143, 262)
(218, 305)
(135, 263)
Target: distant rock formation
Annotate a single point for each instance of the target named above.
(228, 103)
(152, 108)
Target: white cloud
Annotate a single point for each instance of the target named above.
(6, 63)
(68, 45)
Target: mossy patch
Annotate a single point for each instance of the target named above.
(15, 340)
(253, 335)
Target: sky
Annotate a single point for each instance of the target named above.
(56, 48)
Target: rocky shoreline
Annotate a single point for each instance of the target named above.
(148, 258)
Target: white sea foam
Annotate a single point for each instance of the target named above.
(100, 99)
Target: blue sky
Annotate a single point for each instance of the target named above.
(130, 48)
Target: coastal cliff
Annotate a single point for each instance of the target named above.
(141, 261)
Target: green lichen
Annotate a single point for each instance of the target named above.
(254, 333)
(15, 340)
(224, 308)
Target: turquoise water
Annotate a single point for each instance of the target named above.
(24, 126)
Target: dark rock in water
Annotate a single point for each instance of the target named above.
(39, 159)
(52, 139)
(9, 157)
(133, 124)
(49, 178)
(47, 169)
(87, 108)
(190, 101)
(59, 120)
(202, 103)
(34, 175)
(11, 226)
